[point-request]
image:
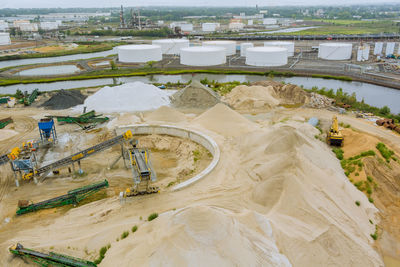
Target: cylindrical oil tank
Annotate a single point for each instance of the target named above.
(288, 45)
(5, 38)
(139, 53)
(171, 46)
(363, 52)
(203, 56)
(335, 51)
(230, 46)
(266, 56)
(243, 48)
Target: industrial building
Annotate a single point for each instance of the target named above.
(5, 38)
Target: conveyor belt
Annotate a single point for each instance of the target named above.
(51, 259)
(43, 171)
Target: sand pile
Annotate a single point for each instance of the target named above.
(200, 236)
(252, 97)
(6, 133)
(223, 120)
(123, 120)
(195, 95)
(166, 114)
(64, 99)
(287, 93)
(136, 96)
(308, 199)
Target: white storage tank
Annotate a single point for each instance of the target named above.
(230, 46)
(5, 38)
(266, 56)
(203, 56)
(171, 46)
(363, 52)
(378, 48)
(139, 53)
(335, 51)
(209, 27)
(288, 45)
(243, 48)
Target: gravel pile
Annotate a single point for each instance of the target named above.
(319, 101)
(64, 99)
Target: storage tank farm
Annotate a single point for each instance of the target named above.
(288, 45)
(230, 46)
(243, 48)
(335, 51)
(203, 56)
(5, 38)
(139, 53)
(171, 46)
(266, 56)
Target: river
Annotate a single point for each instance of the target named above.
(374, 95)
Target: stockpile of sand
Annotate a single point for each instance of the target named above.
(123, 120)
(252, 97)
(308, 199)
(136, 96)
(195, 95)
(287, 93)
(223, 120)
(166, 114)
(64, 99)
(200, 236)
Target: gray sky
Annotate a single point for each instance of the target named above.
(110, 3)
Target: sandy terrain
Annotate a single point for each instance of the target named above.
(278, 196)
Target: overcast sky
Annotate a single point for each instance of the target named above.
(111, 3)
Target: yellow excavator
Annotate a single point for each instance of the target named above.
(335, 137)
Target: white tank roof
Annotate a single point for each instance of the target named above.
(288, 45)
(5, 38)
(230, 46)
(266, 56)
(243, 48)
(171, 46)
(139, 53)
(335, 51)
(203, 56)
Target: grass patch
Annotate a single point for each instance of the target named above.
(152, 216)
(358, 203)
(171, 184)
(344, 125)
(338, 152)
(134, 228)
(196, 155)
(102, 254)
(124, 235)
(385, 152)
(375, 235)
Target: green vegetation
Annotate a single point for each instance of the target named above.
(152, 216)
(375, 235)
(124, 235)
(385, 152)
(163, 32)
(92, 48)
(338, 152)
(134, 228)
(358, 203)
(171, 184)
(102, 254)
(345, 125)
(196, 155)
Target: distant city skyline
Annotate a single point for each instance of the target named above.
(186, 3)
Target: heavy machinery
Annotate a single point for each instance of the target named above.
(143, 172)
(334, 136)
(77, 157)
(88, 117)
(28, 99)
(49, 259)
(47, 131)
(72, 197)
(5, 122)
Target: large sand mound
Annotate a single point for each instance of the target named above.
(252, 97)
(310, 202)
(225, 121)
(166, 114)
(287, 93)
(200, 236)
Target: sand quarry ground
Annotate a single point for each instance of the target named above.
(278, 196)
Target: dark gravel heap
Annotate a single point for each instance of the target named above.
(64, 99)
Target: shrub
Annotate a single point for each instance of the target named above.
(358, 203)
(102, 254)
(152, 216)
(338, 152)
(124, 235)
(134, 228)
(370, 199)
(385, 152)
